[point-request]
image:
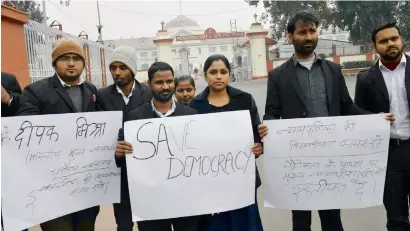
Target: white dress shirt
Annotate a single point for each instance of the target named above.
(64, 84)
(174, 105)
(124, 97)
(399, 105)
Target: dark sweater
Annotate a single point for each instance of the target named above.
(76, 95)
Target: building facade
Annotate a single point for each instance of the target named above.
(191, 46)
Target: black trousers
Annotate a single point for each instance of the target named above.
(397, 187)
(193, 223)
(123, 215)
(329, 219)
(83, 220)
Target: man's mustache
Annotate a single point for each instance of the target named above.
(162, 92)
(309, 43)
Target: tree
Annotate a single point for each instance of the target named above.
(279, 12)
(404, 21)
(359, 17)
(32, 8)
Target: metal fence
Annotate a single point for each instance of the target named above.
(39, 41)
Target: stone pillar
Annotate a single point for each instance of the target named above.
(13, 44)
(87, 67)
(258, 51)
(164, 47)
(184, 61)
(103, 67)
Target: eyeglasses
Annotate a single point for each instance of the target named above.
(75, 59)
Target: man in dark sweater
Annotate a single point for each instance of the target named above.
(124, 95)
(307, 86)
(161, 80)
(62, 93)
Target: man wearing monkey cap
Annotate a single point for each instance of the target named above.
(62, 93)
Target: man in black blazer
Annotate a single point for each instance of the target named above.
(161, 80)
(386, 87)
(64, 92)
(10, 94)
(124, 95)
(307, 86)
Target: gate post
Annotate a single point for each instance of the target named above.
(13, 44)
(103, 70)
(164, 47)
(87, 63)
(258, 51)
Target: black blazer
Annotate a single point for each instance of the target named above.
(10, 84)
(371, 91)
(146, 112)
(143, 112)
(239, 100)
(109, 99)
(286, 100)
(48, 96)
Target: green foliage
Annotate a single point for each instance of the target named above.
(357, 64)
(32, 8)
(279, 12)
(359, 17)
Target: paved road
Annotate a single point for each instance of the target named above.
(371, 219)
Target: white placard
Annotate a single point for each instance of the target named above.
(326, 163)
(53, 165)
(190, 165)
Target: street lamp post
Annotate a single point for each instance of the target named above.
(99, 26)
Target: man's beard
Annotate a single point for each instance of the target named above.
(71, 76)
(301, 49)
(389, 57)
(122, 83)
(161, 97)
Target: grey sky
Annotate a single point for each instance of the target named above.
(126, 19)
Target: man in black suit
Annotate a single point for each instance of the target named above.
(124, 95)
(386, 87)
(307, 86)
(10, 94)
(63, 93)
(161, 80)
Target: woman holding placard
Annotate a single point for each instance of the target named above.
(220, 97)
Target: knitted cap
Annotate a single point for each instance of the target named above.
(65, 46)
(126, 55)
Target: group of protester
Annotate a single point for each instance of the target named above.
(305, 86)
